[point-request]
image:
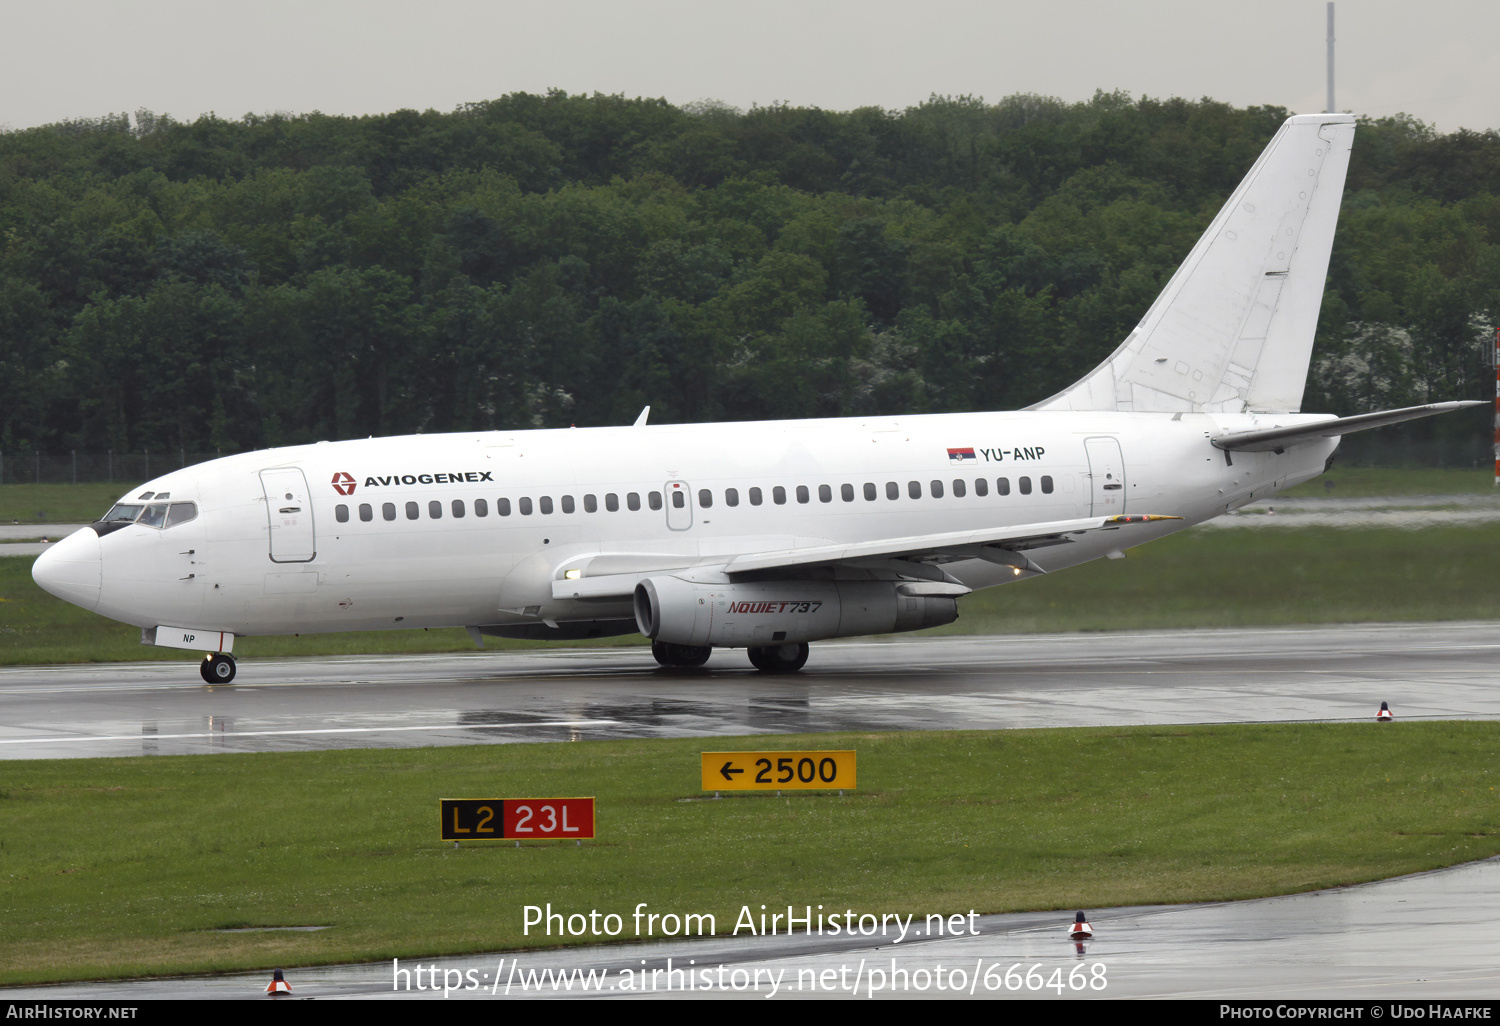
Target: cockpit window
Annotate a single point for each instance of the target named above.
(181, 513)
(146, 495)
(154, 515)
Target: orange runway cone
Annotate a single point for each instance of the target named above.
(278, 985)
(1384, 715)
(1080, 928)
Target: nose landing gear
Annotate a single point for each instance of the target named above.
(217, 668)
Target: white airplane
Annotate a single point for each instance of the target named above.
(763, 536)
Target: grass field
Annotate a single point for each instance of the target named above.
(128, 867)
(1200, 578)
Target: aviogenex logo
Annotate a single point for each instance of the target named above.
(343, 483)
(453, 477)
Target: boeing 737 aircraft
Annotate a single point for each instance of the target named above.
(763, 536)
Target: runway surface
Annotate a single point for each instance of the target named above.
(1422, 937)
(1427, 671)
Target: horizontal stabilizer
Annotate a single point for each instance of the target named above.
(1279, 438)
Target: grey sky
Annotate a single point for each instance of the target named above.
(1438, 61)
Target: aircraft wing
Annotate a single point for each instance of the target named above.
(1279, 438)
(942, 548)
(616, 576)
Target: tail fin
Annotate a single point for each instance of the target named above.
(1233, 330)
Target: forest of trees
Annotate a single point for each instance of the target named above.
(546, 260)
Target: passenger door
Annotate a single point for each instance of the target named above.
(289, 512)
(1106, 475)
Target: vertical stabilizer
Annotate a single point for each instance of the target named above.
(1233, 330)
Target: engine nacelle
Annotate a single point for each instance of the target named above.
(778, 612)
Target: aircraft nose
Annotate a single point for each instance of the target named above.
(71, 569)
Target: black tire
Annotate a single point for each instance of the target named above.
(217, 668)
(779, 658)
(679, 656)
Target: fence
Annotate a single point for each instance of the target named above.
(94, 467)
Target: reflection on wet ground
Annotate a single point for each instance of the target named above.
(1429, 671)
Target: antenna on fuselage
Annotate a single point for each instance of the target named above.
(641, 420)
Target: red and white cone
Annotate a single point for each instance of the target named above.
(1384, 715)
(1080, 930)
(278, 985)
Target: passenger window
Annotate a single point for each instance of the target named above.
(958, 488)
(825, 494)
(937, 489)
(846, 492)
(778, 495)
(458, 507)
(1025, 486)
(755, 497)
(705, 498)
(388, 510)
(892, 490)
(524, 505)
(502, 507)
(435, 509)
(412, 512)
(567, 504)
(731, 496)
(341, 513)
(481, 508)
(1002, 486)
(914, 489)
(1046, 485)
(678, 500)
(802, 493)
(981, 486)
(590, 504)
(545, 505)
(633, 500)
(181, 513)
(653, 499)
(870, 491)
(365, 512)
(612, 502)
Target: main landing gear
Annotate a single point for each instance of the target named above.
(779, 658)
(680, 656)
(217, 668)
(765, 658)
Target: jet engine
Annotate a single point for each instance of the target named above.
(760, 613)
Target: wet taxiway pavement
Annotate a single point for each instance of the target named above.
(1426, 671)
(1422, 937)
(1432, 936)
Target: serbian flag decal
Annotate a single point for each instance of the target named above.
(960, 455)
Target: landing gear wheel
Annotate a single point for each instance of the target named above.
(217, 668)
(779, 658)
(672, 655)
